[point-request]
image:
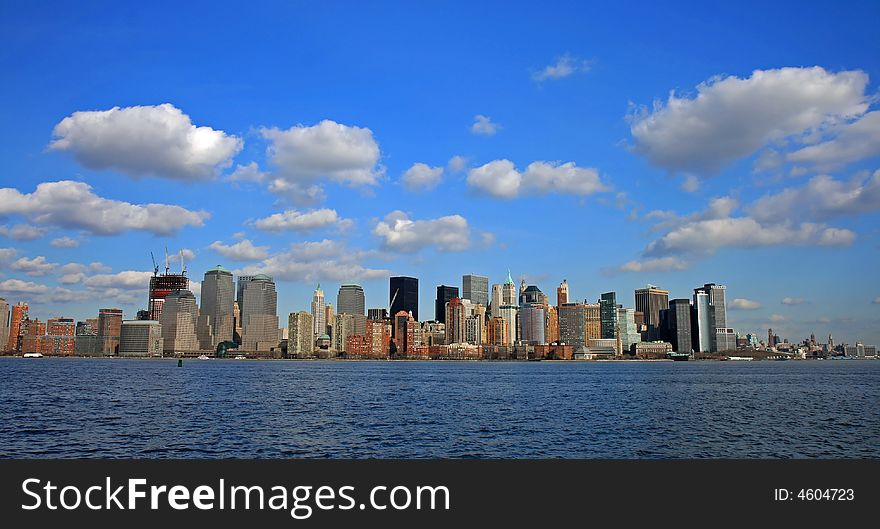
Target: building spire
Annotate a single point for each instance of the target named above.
(509, 278)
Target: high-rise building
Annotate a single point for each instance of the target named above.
(4, 323)
(377, 314)
(179, 319)
(444, 296)
(408, 334)
(608, 314)
(259, 316)
(495, 303)
(18, 314)
(717, 317)
(328, 317)
(300, 334)
(403, 295)
(33, 333)
(350, 300)
(344, 325)
(508, 291)
(319, 312)
(593, 321)
(109, 328)
(218, 306)
(678, 325)
(532, 322)
(475, 288)
(650, 301)
(701, 323)
(160, 287)
(552, 332)
(562, 293)
(60, 337)
(455, 321)
(628, 332)
(572, 324)
(498, 332)
(378, 338)
(141, 338)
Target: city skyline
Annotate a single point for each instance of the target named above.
(392, 149)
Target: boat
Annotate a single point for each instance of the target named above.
(203, 357)
(679, 357)
(32, 355)
(741, 358)
(240, 357)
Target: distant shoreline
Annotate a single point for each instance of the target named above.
(196, 359)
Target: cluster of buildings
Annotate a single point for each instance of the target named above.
(473, 321)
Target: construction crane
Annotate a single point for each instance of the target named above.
(155, 266)
(391, 304)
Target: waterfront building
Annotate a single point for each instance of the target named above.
(378, 338)
(433, 333)
(552, 332)
(701, 324)
(475, 288)
(179, 321)
(18, 314)
(350, 300)
(608, 314)
(408, 334)
(259, 305)
(718, 330)
(300, 334)
(593, 321)
(344, 325)
(650, 301)
(328, 317)
(109, 327)
(60, 337)
(319, 313)
(627, 330)
(160, 287)
(725, 339)
(444, 295)
(508, 291)
(572, 325)
(651, 350)
(217, 310)
(32, 334)
(510, 313)
(403, 295)
(141, 338)
(498, 332)
(4, 324)
(532, 322)
(678, 325)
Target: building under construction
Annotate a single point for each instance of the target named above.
(163, 284)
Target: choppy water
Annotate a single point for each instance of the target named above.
(281, 409)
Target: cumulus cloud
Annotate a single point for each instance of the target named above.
(564, 66)
(38, 266)
(456, 163)
(500, 178)
(22, 232)
(243, 250)
(145, 140)
(744, 304)
(293, 220)
(730, 117)
(17, 286)
(855, 141)
(777, 318)
(484, 126)
(822, 198)
(422, 177)
(64, 242)
(73, 205)
(792, 301)
(7, 254)
(314, 261)
(399, 233)
(71, 278)
(248, 173)
(126, 280)
(657, 264)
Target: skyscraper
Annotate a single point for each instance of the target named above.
(4, 323)
(350, 300)
(455, 321)
(701, 324)
(140, 338)
(629, 332)
(403, 295)
(18, 314)
(721, 337)
(649, 301)
(562, 293)
(319, 312)
(475, 288)
(217, 305)
(678, 325)
(109, 329)
(444, 295)
(532, 321)
(179, 320)
(259, 316)
(608, 314)
(495, 303)
(572, 324)
(300, 334)
(592, 321)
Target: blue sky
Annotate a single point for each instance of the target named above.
(575, 160)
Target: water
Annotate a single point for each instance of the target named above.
(282, 409)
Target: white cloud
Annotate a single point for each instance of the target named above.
(7, 254)
(243, 250)
(777, 318)
(185, 253)
(97, 266)
(823, 197)
(501, 179)
(73, 205)
(659, 264)
(293, 220)
(38, 266)
(690, 184)
(17, 286)
(126, 280)
(854, 142)
(456, 164)
(564, 66)
(398, 233)
(484, 126)
(792, 301)
(314, 261)
(422, 177)
(304, 156)
(730, 118)
(22, 232)
(64, 242)
(145, 140)
(72, 278)
(744, 304)
(248, 173)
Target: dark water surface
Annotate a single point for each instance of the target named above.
(281, 409)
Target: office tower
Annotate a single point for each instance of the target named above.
(532, 321)
(701, 324)
(510, 314)
(403, 295)
(300, 334)
(259, 316)
(498, 332)
(508, 291)
(344, 325)
(328, 317)
(141, 338)
(408, 334)
(608, 314)
(4, 323)
(444, 295)
(717, 317)
(678, 325)
(649, 301)
(60, 337)
(562, 293)
(18, 314)
(179, 320)
(377, 314)
(218, 306)
(109, 327)
(236, 317)
(552, 332)
(475, 288)
(725, 339)
(350, 300)
(592, 321)
(532, 294)
(495, 305)
(475, 328)
(319, 312)
(455, 321)
(572, 325)
(628, 332)
(161, 286)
